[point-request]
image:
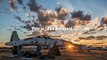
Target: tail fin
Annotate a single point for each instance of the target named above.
(14, 36)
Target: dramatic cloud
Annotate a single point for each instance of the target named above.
(78, 18)
(47, 17)
(19, 18)
(104, 21)
(20, 2)
(12, 4)
(56, 17)
(34, 6)
(80, 15)
(93, 38)
(38, 16)
(28, 24)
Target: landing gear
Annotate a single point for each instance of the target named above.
(16, 50)
(54, 51)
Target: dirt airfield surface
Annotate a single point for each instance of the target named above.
(65, 55)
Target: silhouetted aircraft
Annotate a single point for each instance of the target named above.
(40, 42)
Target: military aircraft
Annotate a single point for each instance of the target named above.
(41, 42)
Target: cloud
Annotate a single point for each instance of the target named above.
(104, 21)
(78, 18)
(20, 2)
(0, 1)
(93, 37)
(43, 17)
(68, 5)
(34, 6)
(12, 4)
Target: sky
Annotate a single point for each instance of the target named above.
(97, 8)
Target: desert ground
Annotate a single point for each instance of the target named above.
(65, 55)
